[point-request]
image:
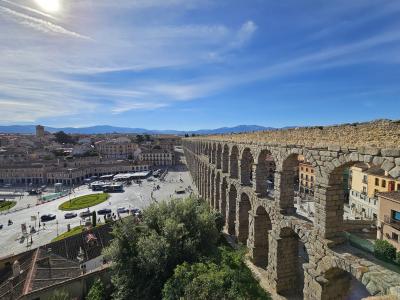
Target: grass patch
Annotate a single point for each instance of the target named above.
(84, 201)
(6, 205)
(73, 231)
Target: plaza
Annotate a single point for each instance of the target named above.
(134, 196)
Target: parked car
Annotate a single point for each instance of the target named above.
(136, 212)
(104, 211)
(48, 217)
(122, 210)
(85, 214)
(70, 215)
(1, 226)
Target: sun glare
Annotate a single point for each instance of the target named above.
(49, 5)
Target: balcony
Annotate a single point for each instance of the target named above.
(392, 222)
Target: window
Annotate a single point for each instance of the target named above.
(395, 237)
(377, 181)
(306, 169)
(312, 170)
(383, 183)
(364, 190)
(395, 215)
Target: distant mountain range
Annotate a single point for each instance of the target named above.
(102, 129)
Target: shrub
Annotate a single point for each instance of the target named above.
(97, 291)
(384, 250)
(398, 258)
(226, 278)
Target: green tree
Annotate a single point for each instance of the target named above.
(147, 137)
(139, 138)
(60, 295)
(144, 256)
(63, 138)
(225, 278)
(97, 291)
(384, 250)
(94, 220)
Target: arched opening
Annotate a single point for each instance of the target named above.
(231, 210)
(213, 153)
(262, 225)
(246, 168)
(341, 285)
(291, 257)
(217, 192)
(242, 223)
(225, 159)
(265, 174)
(219, 156)
(296, 171)
(358, 193)
(224, 188)
(234, 163)
(208, 185)
(212, 190)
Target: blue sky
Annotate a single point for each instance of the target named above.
(191, 64)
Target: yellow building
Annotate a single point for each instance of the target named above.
(380, 182)
(365, 184)
(306, 178)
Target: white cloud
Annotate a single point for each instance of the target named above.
(38, 24)
(244, 34)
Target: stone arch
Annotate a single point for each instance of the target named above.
(246, 167)
(260, 225)
(219, 156)
(213, 153)
(217, 200)
(223, 206)
(234, 162)
(231, 210)
(242, 221)
(225, 159)
(208, 185)
(212, 190)
(330, 194)
(265, 173)
(290, 256)
(338, 284)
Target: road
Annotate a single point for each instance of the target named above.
(135, 196)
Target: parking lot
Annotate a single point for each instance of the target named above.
(134, 196)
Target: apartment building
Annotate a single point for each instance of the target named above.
(366, 183)
(389, 217)
(157, 157)
(306, 179)
(118, 148)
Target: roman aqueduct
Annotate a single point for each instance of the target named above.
(230, 174)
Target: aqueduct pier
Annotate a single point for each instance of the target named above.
(230, 174)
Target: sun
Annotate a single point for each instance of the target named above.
(49, 5)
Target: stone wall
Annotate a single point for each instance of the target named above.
(276, 217)
(381, 134)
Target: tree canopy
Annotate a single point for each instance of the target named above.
(144, 256)
(225, 277)
(63, 138)
(174, 254)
